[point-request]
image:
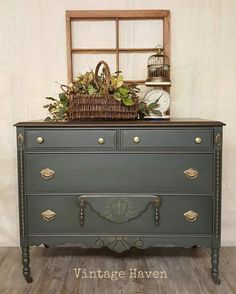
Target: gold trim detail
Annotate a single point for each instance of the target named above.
(48, 215)
(218, 142)
(217, 190)
(21, 162)
(156, 202)
(191, 216)
(82, 204)
(47, 173)
(218, 139)
(20, 139)
(191, 173)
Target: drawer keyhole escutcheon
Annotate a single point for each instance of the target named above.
(136, 139)
(101, 141)
(191, 216)
(48, 215)
(40, 140)
(191, 173)
(198, 140)
(47, 173)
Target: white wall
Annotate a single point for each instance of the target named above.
(33, 56)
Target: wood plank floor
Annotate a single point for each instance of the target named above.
(187, 271)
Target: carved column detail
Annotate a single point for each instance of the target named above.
(82, 204)
(217, 191)
(156, 204)
(21, 192)
(218, 142)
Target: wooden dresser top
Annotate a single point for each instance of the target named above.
(173, 122)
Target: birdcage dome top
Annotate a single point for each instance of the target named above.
(155, 59)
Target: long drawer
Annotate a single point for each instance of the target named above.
(119, 173)
(105, 214)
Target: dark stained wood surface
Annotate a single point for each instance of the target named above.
(174, 122)
(188, 271)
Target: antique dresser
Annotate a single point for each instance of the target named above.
(120, 185)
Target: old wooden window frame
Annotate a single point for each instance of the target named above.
(116, 15)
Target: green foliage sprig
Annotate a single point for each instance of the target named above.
(145, 109)
(57, 108)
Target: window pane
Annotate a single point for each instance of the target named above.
(134, 65)
(141, 33)
(93, 34)
(85, 62)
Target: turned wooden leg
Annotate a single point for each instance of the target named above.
(214, 265)
(26, 262)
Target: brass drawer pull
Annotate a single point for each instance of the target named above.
(136, 139)
(191, 173)
(47, 173)
(48, 215)
(40, 140)
(191, 216)
(101, 141)
(198, 140)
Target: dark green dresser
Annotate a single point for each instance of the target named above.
(120, 185)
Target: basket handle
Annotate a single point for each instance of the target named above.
(106, 72)
(64, 88)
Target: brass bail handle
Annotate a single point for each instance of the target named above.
(47, 173)
(191, 216)
(48, 215)
(191, 173)
(106, 72)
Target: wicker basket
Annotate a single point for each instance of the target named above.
(100, 107)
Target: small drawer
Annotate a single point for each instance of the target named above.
(166, 138)
(120, 214)
(71, 138)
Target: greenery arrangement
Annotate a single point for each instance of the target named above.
(90, 84)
